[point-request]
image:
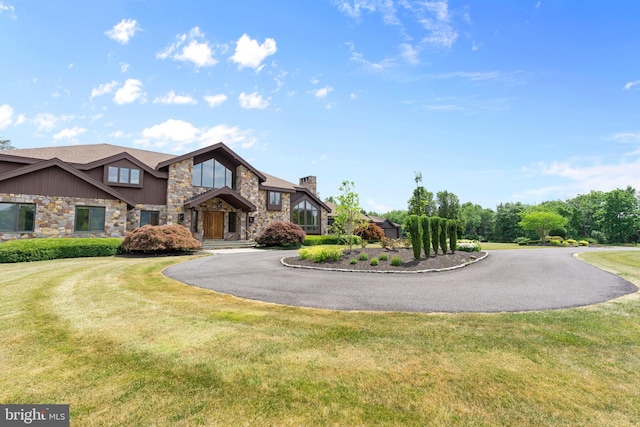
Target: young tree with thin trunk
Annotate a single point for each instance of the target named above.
(348, 217)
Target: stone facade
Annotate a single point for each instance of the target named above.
(179, 189)
(55, 216)
(133, 216)
(264, 216)
(247, 185)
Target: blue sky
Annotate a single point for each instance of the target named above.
(495, 101)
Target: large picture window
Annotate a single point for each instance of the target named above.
(211, 174)
(306, 216)
(89, 218)
(17, 216)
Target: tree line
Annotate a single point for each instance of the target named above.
(598, 217)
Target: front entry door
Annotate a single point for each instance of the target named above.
(213, 225)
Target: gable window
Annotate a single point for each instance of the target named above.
(274, 201)
(118, 175)
(17, 216)
(211, 174)
(149, 217)
(89, 218)
(306, 216)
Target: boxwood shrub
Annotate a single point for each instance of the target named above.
(56, 248)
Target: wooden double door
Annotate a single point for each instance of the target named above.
(213, 225)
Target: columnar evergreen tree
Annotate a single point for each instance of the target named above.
(443, 235)
(413, 227)
(435, 233)
(453, 234)
(426, 235)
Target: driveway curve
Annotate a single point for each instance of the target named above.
(510, 280)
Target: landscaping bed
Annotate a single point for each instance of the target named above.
(440, 262)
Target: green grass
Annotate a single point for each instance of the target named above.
(123, 345)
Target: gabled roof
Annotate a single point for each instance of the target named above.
(55, 162)
(120, 156)
(225, 193)
(275, 183)
(87, 153)
(216, 147)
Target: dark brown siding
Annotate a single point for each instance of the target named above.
(52, 182)
(9, 166)
(154, 191)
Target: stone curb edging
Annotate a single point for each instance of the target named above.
(344, 270)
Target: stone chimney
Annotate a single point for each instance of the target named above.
(309, 182)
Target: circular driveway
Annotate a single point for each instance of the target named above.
(510, 280)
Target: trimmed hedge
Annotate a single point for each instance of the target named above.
(328, 240)
(56, 248)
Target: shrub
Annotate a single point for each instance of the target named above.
(160, 238)
(523, 241)
(435, 233)
(599, 237)
(555, 242)
(452, 224)
(280, 233)
(57, 248)
(413, 227)
(321, 240)
(353, 261)
(468, 246)
(374, 261)
(370, 232)
(571, 242)
(363, 256)
(320, 253)
(396, 261)
(390, 244)
(583, 243)
(443, 236)
(425, 225)
(344, 240)
(383, 257)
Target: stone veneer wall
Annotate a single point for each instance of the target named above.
(247, 185)
(212, 206)
(55, 216)
(179, 189)
(133, 216)
(263, 217)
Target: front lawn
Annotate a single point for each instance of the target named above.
(124, 345)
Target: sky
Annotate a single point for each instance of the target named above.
(495, 101)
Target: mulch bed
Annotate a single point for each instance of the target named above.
(409, 264)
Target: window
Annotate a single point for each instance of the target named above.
(232, 222)
(89, 218)
(149, 217)
(211, 174)
(17, 216)
(119, 175)
(306, 216)
(275, 201)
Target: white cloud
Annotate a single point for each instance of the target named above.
(124, 67)
(188, 48)
(123, 31)
(179, 133)
(172, 98)
(409, 53)
(45, 122)
(353, 96)
(215, 100)
(6, 116)
(231, 135)
(629, 85)
(322, 92)
(7, 8)
(625, 137)
(251, 54)
(355, 9)
(252, 100)
(69, 134)
(130, 92)
(103, 89)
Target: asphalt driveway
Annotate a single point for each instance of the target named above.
(511, 280)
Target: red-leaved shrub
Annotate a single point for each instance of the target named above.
(160, 238)
(370, 232)
(280, 233)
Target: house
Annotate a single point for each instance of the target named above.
(106, 190)
(391, 229)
